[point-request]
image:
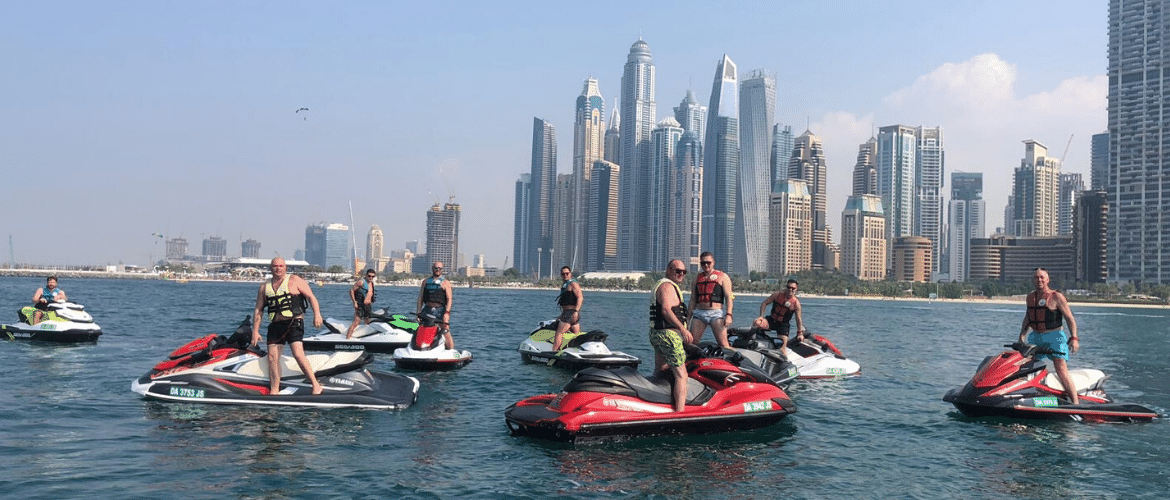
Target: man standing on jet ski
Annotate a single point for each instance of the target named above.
(284, 296)
(712, 291)
(362, 294)
(570, 301)
(668, 331)
(785, 306)
(45, 296)
(1046, 308)
(435, 294)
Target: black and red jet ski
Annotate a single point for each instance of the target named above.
(1015, 385)
(619, 401)
(226, 370)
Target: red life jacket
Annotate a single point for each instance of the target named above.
(708, 290)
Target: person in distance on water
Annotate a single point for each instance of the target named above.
(45, 296)
(362, 295)
(1046, 309)
(668, 331)
(284, 296)
(570, 301)
(435, 294)
(785, 306)
(711, 292)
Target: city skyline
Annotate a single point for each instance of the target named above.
(179, 120)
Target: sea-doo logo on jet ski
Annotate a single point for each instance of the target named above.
(755, 406)
(348, 347)
(186, 392)
(1045, 401)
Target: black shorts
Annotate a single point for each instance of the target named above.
(286, 332)
(567, 316)
(364, 311)
(781, 328)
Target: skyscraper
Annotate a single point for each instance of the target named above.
(808, 164)
(1035, 209)
(966, 219)
(588, 147)
(1139, 144)
(865, 170)
(376, 258)
(603, 216)
(928, 188)
(520, 227)
(337, 237)
(443, 233)
(782, 143)
(562, 225)
(691, 115)
(757, 107)
(1099, 162)
(613, 138)
(1071, 186)
(896, 168)
(250, 249)
(315, 245)
(1092, 212)
(721, 167)
(686, 205)
(214, 248)
(663, 192)
(541, 193)
(790, 228)
(637, 121)
(863, 237)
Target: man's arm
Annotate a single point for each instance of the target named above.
(1072, 323)
(307, 291)
(37, 295)
(256, 316)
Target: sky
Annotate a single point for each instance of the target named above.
(123, 120)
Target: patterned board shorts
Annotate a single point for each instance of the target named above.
(669, 345)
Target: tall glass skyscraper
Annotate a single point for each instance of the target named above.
(808, 164)
(721, 167)
(1139, 141)
(896, 169)
(520, 224)
(928, 190)
(967, 216)
(337, 238)
(637, 121)
(543, 184)
(664, 195)
(757, 113)
(588, 147)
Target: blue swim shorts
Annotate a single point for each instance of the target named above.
(1056, 340)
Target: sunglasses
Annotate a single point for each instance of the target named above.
(707, 263)
(679, 271)
(792, 288)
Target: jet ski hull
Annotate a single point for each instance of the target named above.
(1047, 407)
(580, 351)
(407, 359)
(382, 336)
(51, 332)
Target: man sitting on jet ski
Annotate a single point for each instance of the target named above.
(44, 296)
(1046, 308)
(785, 306)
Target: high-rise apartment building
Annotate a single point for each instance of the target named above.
(176, 249)
(1092, 213)
(562, 225)
(782, 144)
(928, 188)
(686, 203)
(443, 234)
(520, 226)
(691, 115)
(337, 253)
(1036, 186)
(663, 193)
(588, 147)
(1099, 162)
(808, 164)
(250, 249)
(1139, 141)
(721, 168)
(603, 217)
(863, 237)
(1071, 186)
(637, 121)
(214, 248)
(757, 117)
(315, 245)
(790, 228)
(865, 170)
(897, 161)
(613, 138)
(966, 219)
(542, 187)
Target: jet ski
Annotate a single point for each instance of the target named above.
(385, 333)
(600, 402)
(427, 351)
(62, 322)
(780, 371)
(814, 356)
(1016, 385)
(578, 350)
(226, 370)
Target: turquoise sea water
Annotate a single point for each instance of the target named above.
(72, 428)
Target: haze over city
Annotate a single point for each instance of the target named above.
(127, 120)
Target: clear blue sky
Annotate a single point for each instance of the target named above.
(119, 119)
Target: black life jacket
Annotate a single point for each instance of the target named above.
(783, 311)
(657, 321)
(567, 298)
(433, 291)
(1040, 317)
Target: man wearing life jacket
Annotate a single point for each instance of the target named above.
(785, 306)
(1046, 309)
(435, 294)
(668, 331)
(570, 301)
(711, 292)
(45, 296)
(362, 295)
(284, 296)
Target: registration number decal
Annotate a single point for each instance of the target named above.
(1045, 401)
(186, 392)
(755, 406)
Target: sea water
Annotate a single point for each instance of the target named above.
(71, 428)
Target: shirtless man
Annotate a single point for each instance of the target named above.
(284, 296)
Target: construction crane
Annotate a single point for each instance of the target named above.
(1070, 137)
